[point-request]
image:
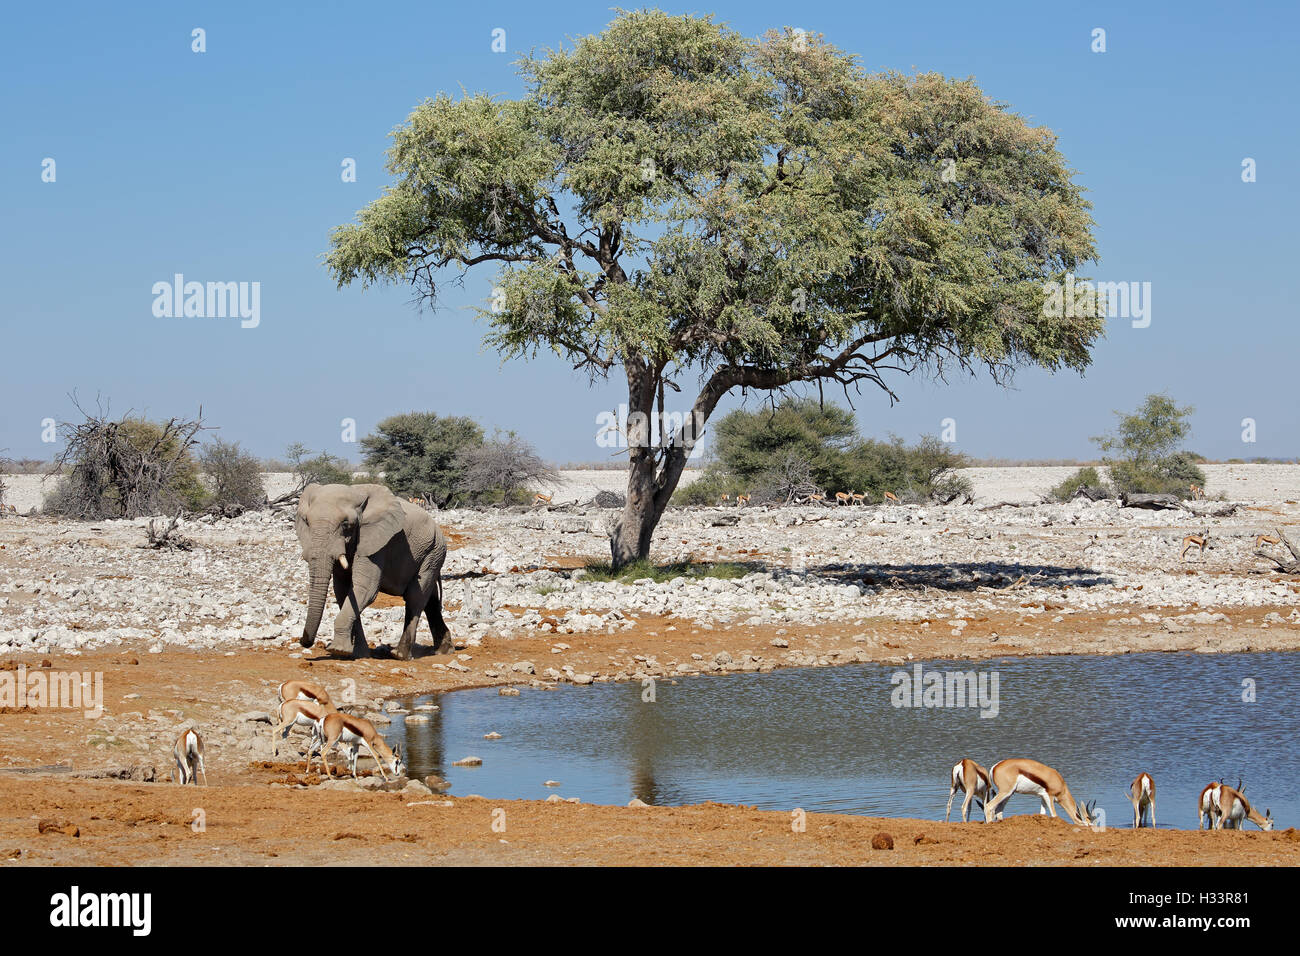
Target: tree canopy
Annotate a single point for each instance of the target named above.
(674, 200)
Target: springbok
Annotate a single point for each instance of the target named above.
(1205, 805)
(305, 690)
(858, 497)
(1021, 775)
(1263, 539)
(188, 753)
(1231, 810)
(541, 499)
(742, 500)
(354, 733)
(843, 498)
(1142, 794)
(300, 713)
(890, 496)
(1197, 492)
(972, 780)
(1191, 541)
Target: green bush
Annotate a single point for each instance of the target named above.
(709, 487)
(421, 453)
(317, 469)
(750, 444)
(776, 454)
(919, 472)
(1085, 477)
(1173, 475)
(1145, 455)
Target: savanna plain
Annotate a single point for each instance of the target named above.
(203, 637)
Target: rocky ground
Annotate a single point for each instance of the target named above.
(203, 636)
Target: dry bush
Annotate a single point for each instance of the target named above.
(501, 469)
(234, 476)
(789, 479)
(126, 468)
(166, 536)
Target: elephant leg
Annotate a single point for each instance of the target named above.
(442, 640)
(349, 638)
(417, 599)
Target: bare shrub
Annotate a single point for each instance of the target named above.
(790, 478)
(234, 477)
(126, 468)
(501, 469)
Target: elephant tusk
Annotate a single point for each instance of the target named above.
(343, 561)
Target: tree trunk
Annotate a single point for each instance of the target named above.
(629, 539)
(1152, 502)
(653, 473)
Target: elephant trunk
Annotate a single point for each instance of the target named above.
(322, 570)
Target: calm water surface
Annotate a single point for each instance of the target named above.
(830, 739)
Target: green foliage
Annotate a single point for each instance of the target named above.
(917, 472)
(748, 443)
(234, 477)
(1152, 432)
(1144, 456)
(783, 205)
(1173, 474)
(420, 453)
(636, 570)
(755, 452)
(709, 488)
(318, 469)
(1084, 477)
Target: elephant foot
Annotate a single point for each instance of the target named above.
(402, 652)
(349, 647)
(306, 641)
(445, 645)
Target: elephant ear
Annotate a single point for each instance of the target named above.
(381, 518)
(300, 521)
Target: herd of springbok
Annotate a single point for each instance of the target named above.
(1226, 807)
(307, 705)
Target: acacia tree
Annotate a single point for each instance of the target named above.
(670, 200)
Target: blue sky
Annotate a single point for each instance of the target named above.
(225, 166)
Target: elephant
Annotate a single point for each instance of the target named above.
(368, 540)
